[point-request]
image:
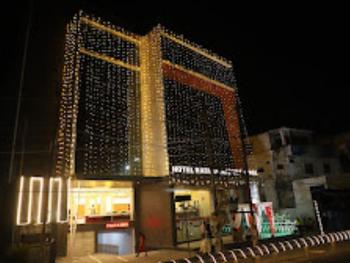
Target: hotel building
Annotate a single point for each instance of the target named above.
(144, 122)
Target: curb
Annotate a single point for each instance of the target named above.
(265, 249)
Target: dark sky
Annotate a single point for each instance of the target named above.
(291, 62)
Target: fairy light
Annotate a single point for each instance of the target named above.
(108, 69)
(104, 140)
(153, 129)
(197, 81)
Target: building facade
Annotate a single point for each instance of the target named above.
(290, 162)
(144, 121)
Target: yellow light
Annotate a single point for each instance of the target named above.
(197, 50)
(109, 59)
(59, 200)
(68, 198)
(50, 200)
(198, 75)
(19, 205)
(110, 30)
(31, 183)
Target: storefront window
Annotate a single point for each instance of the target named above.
(95, 204)
(190, 213)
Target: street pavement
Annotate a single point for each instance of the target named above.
(152, 257)
(338, 252)
(329, 253)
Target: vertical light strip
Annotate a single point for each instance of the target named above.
(153, 129)
(68, 199)
(29, 213)
(50, 202)
(41, 180)
(59, 199)
(19, 205)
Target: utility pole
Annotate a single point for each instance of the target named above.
(15, 129)
(20, 90)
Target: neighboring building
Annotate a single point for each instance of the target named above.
(290, 161)
(332, 201)
(341, 144)
(143, 121)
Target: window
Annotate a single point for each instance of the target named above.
(260, 170)
(326, 168)
(280, 166)
(309, 168)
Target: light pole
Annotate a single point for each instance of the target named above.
(18, 110)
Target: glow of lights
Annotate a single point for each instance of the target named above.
(68, 198)
(109, 204)
(197, 50)
(166, 73)
(59, 199)
(198, 75)
(19, 205)
(32, 180)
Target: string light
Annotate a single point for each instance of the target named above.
(99, 122)
(108, 71)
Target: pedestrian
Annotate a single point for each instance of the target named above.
(205, 246)
(141, 246)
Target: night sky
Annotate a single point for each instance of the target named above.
(291, 62)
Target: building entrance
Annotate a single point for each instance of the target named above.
(190, 213)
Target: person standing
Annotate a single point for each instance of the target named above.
(142, 244)
(205, 246)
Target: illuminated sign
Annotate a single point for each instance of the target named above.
(206, 170)
(114, 225)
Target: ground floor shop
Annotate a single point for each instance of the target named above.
(192, 206)
(108, 216)
(101, 218)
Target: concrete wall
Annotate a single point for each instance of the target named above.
(59, 233)
(303, 198)
(81, 244)
(286, 164)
